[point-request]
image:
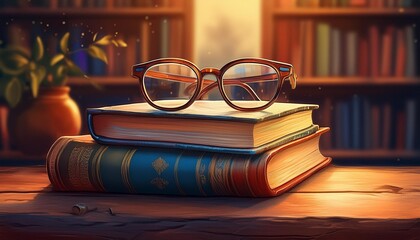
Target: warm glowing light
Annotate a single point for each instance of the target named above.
(226, 30)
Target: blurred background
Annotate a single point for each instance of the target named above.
(357, 59)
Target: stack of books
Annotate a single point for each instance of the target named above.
(208, 149)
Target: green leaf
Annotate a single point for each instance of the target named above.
(13, 92)
(73, 69)
(114, 42)
(38, 50)
(35, 82)
(121, 43)
(13, 63)
(98, 53)
(94, 84)
(59, 74)
(15, 49)
(56, 59)
(64, 42)
(106, 40)
(41, 72)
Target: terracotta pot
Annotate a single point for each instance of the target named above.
(49, 116)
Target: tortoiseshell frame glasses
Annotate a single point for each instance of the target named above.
(282, 72)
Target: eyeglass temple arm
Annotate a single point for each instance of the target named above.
(251, 79)
(209, 84)
(245, 86)
(292, 77)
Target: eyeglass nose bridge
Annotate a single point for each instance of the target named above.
(208, 84)
(214, 71)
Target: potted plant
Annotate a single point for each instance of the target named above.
(48, 112)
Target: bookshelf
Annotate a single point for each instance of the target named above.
(357, 60)
(146, 26)
(151, 29)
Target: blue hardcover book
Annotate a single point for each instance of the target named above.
(366, 124)
(338, 126)
(356, 106)
(206, 125)
(411, 124)
(346, 126)
(78, 163)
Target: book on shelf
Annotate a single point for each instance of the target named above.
(411, 58)
(322, 49)
(206, 125)
(336, 52)
(367, 124)
(334, 49)
(374, 50)
(386, 125)
(386, 52)
(347, 3)
(351, 53)
(297, 36)
(401, 53)
(81, 58)
(363, 123)
(363, 57)
(145, 40)
(80, 164)
(411, 108)
(4, 130)
(283, 42)
(309, 48)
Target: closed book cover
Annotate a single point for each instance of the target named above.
(80, 164)
(206, 125)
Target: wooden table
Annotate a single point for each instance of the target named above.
(340, 202)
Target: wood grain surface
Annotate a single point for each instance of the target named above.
(343, 202)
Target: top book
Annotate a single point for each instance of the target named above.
(205, 125)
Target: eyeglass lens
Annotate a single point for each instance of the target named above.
(250, 85)
(164, 83)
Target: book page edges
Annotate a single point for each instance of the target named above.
(277, 110)
(197, 147)
(294, 181)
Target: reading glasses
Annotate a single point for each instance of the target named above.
(246, 84)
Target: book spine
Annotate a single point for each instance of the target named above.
(283, 43)
(356, 114)
(411, 124)
(323, 49)
(309, 49)
(351, 54)
(336, 49)
(410, 68)
(4, 130)
(374, 50)
(87, 166)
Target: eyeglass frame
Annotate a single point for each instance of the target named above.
(139, 70)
